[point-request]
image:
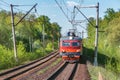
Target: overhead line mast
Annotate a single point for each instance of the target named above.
(97, 24)
(13, 27)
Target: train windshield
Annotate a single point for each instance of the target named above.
(65, 44)
(75, 44)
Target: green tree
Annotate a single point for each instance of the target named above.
(110, 14)
(113, 31)
(5, 29)
(55, 33)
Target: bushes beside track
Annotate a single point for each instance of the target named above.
(7, 59)
(108, 61)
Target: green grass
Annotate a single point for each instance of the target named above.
(108, 60)
(106, 74)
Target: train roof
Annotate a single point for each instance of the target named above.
(68, 38)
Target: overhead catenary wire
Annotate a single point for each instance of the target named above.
(20, 10)
(2, 9)
(5, 2)
(2, 4)
(82, 27)
(85, 16)
(23, 5)
(73, 18)
(66, 6)
(15, 5)
(36, 12)
(26, 14)
(74, 11)
(62, 10)
(73, 14)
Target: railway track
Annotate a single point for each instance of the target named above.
(64, 72)
(75, 71)
(82, 70)
(59, 71)
(12, 73)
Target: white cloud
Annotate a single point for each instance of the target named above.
(71, 3)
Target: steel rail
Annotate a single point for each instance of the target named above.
(6, 75)
(60, 69)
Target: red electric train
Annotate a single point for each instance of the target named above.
(71, 48)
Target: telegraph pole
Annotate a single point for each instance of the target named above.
(96, 27)
(96, 37)
(13, 32)
(13, 27)
(43, 33)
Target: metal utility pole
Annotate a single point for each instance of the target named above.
(13, 27)
(97, 23)
(13, 32)
(96, 37)
(43, 33)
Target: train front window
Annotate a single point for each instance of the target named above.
(65, 44)
(75, 44)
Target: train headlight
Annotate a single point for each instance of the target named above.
(63, 51)
(78, 50)
(70, 37)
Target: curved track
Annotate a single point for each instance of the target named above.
(58, 71)
(65, 72)
(82, 70)
(74, 71)
(11, 73)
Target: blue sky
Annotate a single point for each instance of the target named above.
(51, 9)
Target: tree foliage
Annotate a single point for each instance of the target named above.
(113, 32)
(28, 31)
(110, 24)
(109, 39)
(5, 29)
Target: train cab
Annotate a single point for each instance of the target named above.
(71, 48)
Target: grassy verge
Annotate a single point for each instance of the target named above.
(108, 61)
(106, 74)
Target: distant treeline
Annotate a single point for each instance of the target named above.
(29, 31)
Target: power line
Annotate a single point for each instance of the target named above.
(23, 5)
(2, 8)
(4, 5)
(66, 6)
(85, 16)
(82, 27)
(25, 14)
(13, 28)
(8, 5)
(37, 13)
(5, 2)
(62, 10)
(15, 5)
(20, 10)
(75, 12)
